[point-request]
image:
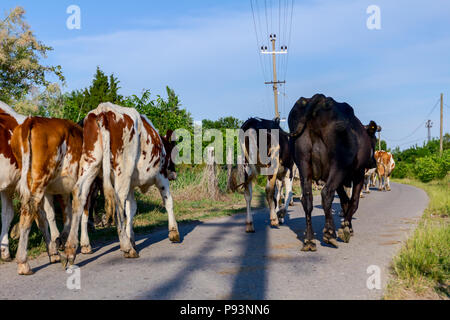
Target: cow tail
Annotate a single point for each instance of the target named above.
(108, 189)
(26, 177)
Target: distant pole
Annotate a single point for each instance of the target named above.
(429, 125)
(379, 129)
(379, 140)
(275, 82)
(442, 125)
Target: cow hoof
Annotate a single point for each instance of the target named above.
(54, 258)
(274, 223)
(24, 269)
(6, 259)
(5, 256)
(332, 242)
(59, 244)
(174, 236)
(345, 234)
(63, 259)
(281, 213)
(329, 237)
(132, 254)
(86, 249)
(309, 245)
(249, 228)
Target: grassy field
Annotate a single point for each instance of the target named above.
(421, 269)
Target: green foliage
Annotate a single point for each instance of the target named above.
(426, 169)
(164, 114)
(423, 264)
(20, 55)
(383, 146)
(423, 163)
(222, 125)
(77, 104)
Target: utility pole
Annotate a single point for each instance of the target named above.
(379, 129)
(275, 82)
(442, 125)
(429, 125)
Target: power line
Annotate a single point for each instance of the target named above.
(419, 126)
(414, 141)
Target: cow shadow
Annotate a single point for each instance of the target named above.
(144, 240)
(249, 277)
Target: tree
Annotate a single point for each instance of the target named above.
(103, 89)
(20, 55)
(164, 114)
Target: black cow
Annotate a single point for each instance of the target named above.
(278, 166)
(330, 144)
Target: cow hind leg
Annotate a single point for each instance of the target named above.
(52, 250)
(346, 230)
(164, 189)
(45, 220)
(287, 199)
(7, 217)
(29, 212)
(329, 232)
(307, 202)
(270, 192)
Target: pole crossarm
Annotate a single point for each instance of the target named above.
(274, 52)
(278, 82)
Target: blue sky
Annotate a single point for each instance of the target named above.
(207, 52)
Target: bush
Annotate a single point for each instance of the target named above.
(403, 170)
(427, 168)
(432, 167)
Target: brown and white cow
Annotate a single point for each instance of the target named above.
(48, 153)
(385, 167)
(122, 146)
(9, 172)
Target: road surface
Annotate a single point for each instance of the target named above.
(218, 260)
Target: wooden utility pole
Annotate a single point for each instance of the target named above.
(442, 125)
(275, 82)
(379, 140)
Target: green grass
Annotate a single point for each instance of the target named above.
(421, 269)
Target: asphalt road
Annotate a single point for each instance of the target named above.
(218, 260)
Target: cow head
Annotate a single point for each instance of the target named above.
(169, 165)
(372, 129)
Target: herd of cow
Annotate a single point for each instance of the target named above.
(47, 160)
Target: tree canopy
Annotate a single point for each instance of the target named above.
(20, 55)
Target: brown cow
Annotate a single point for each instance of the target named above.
(385, 167)
(125, 149)
(9, 173)
(48, 153)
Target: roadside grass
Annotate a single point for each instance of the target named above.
(422, 268)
